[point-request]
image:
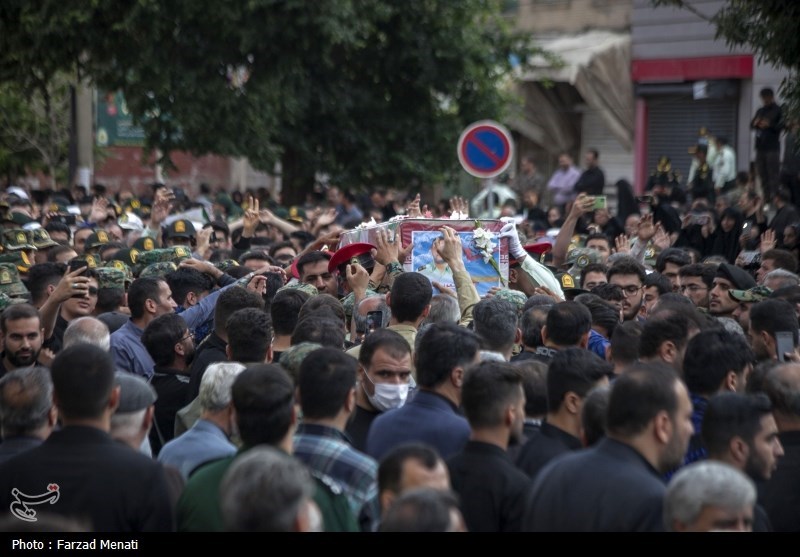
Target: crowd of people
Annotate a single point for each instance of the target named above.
(225, 363)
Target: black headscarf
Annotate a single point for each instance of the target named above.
(727, 243)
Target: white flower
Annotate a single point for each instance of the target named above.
(370, 224)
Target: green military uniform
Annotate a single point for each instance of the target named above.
(42, 240)
(110, 277)
(10, 283)
(198, 508)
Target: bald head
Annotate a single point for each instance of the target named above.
(88, 330)
(782, 386)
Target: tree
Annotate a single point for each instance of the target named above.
(367, 91)
(34, 128)
(769, 27)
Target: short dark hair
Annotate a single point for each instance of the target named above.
(494, 320)
(730, 415)
(773, 315)
(593, 414)
(766, 92)
(603, 314)
(489, 387)
(55, 251)
(141, 290)
(185, 280)
(255, 254)
(534, 383)
(625, 342)
(593, 268)
(56, 226)
(627, 266)
(599, 236)
(662, 283)
(533, 320)
(383, 339)
(410, 295)
(442, 348)
(325, 380)
(249, 335)
(17, 312)
(26, 398)
(310, 258)
(703, 270)
(161, 335)
(390, 468)
(609, 292)
(42, 275)
(319, 301)
(83, 378)
(676, 256)
(263, 396)
(232, 300)
(280, 245)
(320, 330)
(673, 327)
(710, 356)
(567, 322)
(573, 370)
(783, 259)
(285, 308)
(109, 299)
(638, 395)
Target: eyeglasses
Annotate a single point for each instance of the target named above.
(187, 337)
(630, 290)
(692, 287)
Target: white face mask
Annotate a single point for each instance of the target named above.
(387, 395)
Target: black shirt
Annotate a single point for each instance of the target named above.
(491, 488)
(210, 351)
(544, 446)
(591, 182)
(780, 495)
(358, 427)
(171, 386)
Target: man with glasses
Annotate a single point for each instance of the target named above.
(728, 277)
(629, 275)
(695, 282)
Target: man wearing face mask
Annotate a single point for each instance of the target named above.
(384, 378)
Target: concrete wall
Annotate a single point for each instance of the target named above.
(551, 17)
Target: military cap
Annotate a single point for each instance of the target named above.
(17, 238)
(309, 289)
(755, 294)
(226, 264)
(293, 357)
(514, 296)
(10, 283)
(120, 266)
(97, 239)
(535, 250)
(159, 269)
(135, 393)
(145, 243)
(179, 253)
(20, 218)
(6, 300)
(109, 277)
(89, 260)
(17, 258)
(181, 228)
(739, 278)
(281, 212)
(358, 252)
(162, 255)
(128, 256)
(130, 221)
(296, 214)
(581, 257)
(42, 240)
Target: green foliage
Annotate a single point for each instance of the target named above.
(367, 91)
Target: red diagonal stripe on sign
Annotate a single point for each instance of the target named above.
(484, 149)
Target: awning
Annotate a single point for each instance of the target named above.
(597, 65)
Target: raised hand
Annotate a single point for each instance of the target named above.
(251, 218)
(451, 249)
(387, 251)
(768, 241)
(621, 244)
(647, 229)
(413, 209)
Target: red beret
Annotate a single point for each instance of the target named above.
(536, 250)
(360, 251)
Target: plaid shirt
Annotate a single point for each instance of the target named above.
(328, 451)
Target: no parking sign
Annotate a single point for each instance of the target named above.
(485, 149)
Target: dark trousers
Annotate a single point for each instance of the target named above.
(791, 182)
(768, 165)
